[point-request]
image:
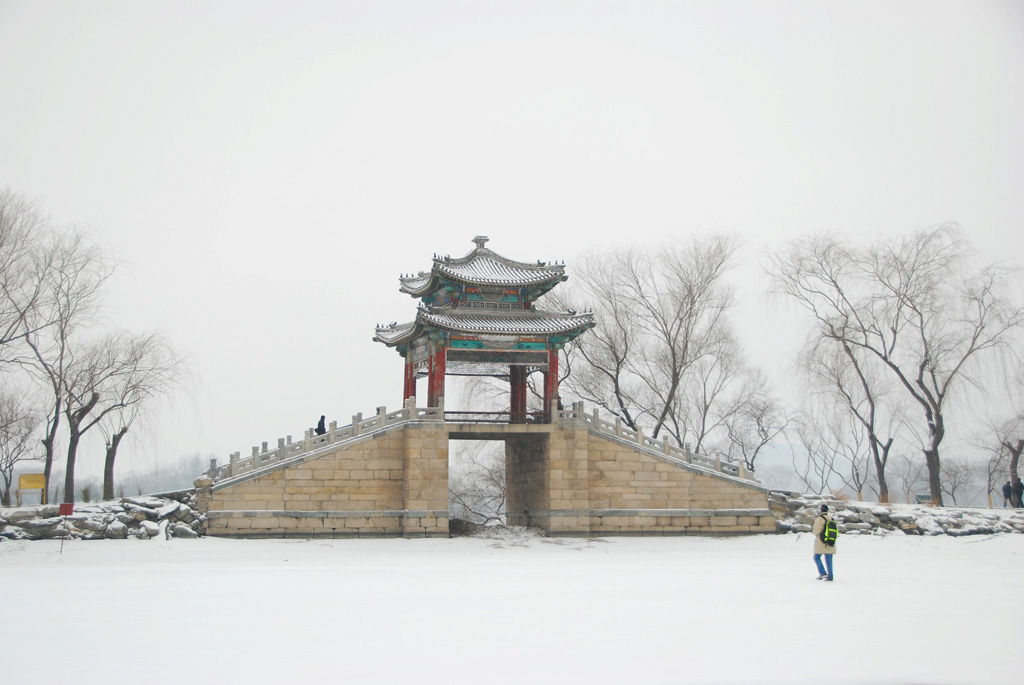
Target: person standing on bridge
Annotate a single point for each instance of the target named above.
(820, 548)
(320, 428)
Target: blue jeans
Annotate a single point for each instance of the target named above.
(828, 562)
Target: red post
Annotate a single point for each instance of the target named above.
(435, 382)
(410, 380)
(551, 385)
(517, 383)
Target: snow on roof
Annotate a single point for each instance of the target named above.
(470, 321)
(482, 267)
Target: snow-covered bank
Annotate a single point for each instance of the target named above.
(797, 512)
(514, 608)
(174, 514)
(143, 517)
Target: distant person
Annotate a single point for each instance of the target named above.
(1018, 493)
(820, 548)
(1007, 494)
(320, 429)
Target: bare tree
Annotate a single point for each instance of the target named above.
(22, 232)
(660, 312)
(757, 419)
(155, 371)
(477, 489)
(72, 272)
(713, 392)
(908, 473)
(843, 379)
(18, 427)
(817, 468)
(604, 376)
(113, 382)
(916, 306)
(957, 476)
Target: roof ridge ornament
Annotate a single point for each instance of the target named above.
(480, 241)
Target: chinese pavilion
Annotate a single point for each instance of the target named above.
(477, 317)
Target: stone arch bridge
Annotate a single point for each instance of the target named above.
(387, 475)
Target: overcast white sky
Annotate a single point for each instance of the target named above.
(267, 170)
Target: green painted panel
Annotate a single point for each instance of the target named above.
(467, 344)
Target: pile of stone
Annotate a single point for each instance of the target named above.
(796, 514)
(166, 515)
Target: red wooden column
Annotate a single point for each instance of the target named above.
(551, 385)
(410, 379)
(435, 381)
(517, 382)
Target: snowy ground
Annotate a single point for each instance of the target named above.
(512, 609)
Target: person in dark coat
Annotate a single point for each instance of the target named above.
(320, 429)
(1018, 493)
(1007, 493)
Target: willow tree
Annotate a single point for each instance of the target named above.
(919, 307)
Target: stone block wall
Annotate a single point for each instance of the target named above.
(634, 492)
(391, 483)
(586, 483)
(564, 479)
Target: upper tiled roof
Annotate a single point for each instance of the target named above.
(482, 267)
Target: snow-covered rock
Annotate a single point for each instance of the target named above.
(141, 518)
(797, 512)
(180, 530)
(117, 530)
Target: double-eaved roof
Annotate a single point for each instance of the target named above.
(473, 277)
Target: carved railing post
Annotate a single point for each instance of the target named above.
(330, 433)
(356, 419)
(382, 416)
(280, 449)
(233, 463)
(307, 440)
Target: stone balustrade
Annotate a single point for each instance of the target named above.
(287, 449)
(663, 447)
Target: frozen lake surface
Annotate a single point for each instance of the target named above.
(513, 608)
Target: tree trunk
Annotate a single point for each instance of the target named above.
(880, 462)
(48, 442)
(69, 474)
(74, 424)
(108, 465)
(1015, 450)
(931, 458)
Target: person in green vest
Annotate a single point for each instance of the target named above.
(821, 544)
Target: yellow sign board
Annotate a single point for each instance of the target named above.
(32, 481)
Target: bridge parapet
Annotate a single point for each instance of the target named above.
(288, 450)
(663, 447)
